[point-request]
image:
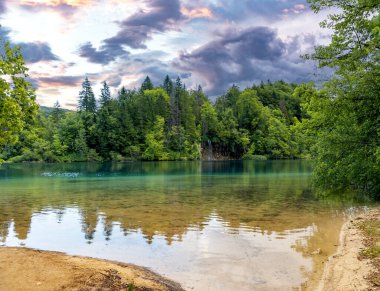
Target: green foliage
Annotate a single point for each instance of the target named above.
(371, 231)
(163, 123)
(57, 112)
(105, 94)
(17, 98)
(346, 119)
(155, 148)
(87, 102)
(168, 85)
(209, 123)
(250, 156)
(146, 85)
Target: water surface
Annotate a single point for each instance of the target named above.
(208, 225)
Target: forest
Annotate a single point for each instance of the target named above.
(168, 122)
(336, 124)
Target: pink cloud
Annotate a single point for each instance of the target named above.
(196, 12)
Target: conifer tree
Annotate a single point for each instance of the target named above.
(146, 85)
(168, 85)
(87, 111)
(105, 94)
(87, 102)
(57, 112)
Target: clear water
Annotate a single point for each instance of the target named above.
(207, 225)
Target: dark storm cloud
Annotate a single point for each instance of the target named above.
(104, 55)
(135, 31)
(61, 81)
(138, 28)
(32, 52)
(245, 57)
(115, 81)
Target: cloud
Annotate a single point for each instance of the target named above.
(64, 7)
(37, 51)
(237, 11)
(56, 2)
(2, 7)
(296, 9)
(160, 16)
(138, 28)
(244, 57)
(59, 81)
(32, 52)
(104, 55)
(198, 12)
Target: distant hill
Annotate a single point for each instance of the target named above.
(48, 110)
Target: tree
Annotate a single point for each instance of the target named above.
(72, 133)
(347, 152)
(57, 112)
(87, 102)
(105, 94)
(146, 85)
(155, 142)
(209, 124)
(17, 98)
(87, 111)
(168, 85)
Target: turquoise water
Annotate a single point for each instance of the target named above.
(207, 225)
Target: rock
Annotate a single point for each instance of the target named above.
(316, 252)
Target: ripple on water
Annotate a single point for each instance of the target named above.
(61, 174)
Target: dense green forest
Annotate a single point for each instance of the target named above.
(168, 122)
(337, 124)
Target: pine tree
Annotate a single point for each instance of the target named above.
(105, 95)
(57, 112)
(87, 110)
(87, 102)
(146, 85)
(168, 85)
(178, 84)
(122, 94)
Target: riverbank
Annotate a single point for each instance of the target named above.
(33, 270)
(356, 265)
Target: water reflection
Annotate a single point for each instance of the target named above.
(246, 225)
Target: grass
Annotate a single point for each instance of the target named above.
(371, 252)
(371, 232)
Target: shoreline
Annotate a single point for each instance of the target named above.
(36, 270)
(347, 269)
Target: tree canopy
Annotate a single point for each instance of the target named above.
(17, 97)
(346, 117)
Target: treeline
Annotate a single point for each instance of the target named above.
(169, 122)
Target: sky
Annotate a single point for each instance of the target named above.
(212, 43)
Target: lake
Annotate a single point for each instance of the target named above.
(246, 225)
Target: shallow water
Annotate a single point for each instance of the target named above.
(208, 225)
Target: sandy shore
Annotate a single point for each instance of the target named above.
(29, 270)
(347, 269)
